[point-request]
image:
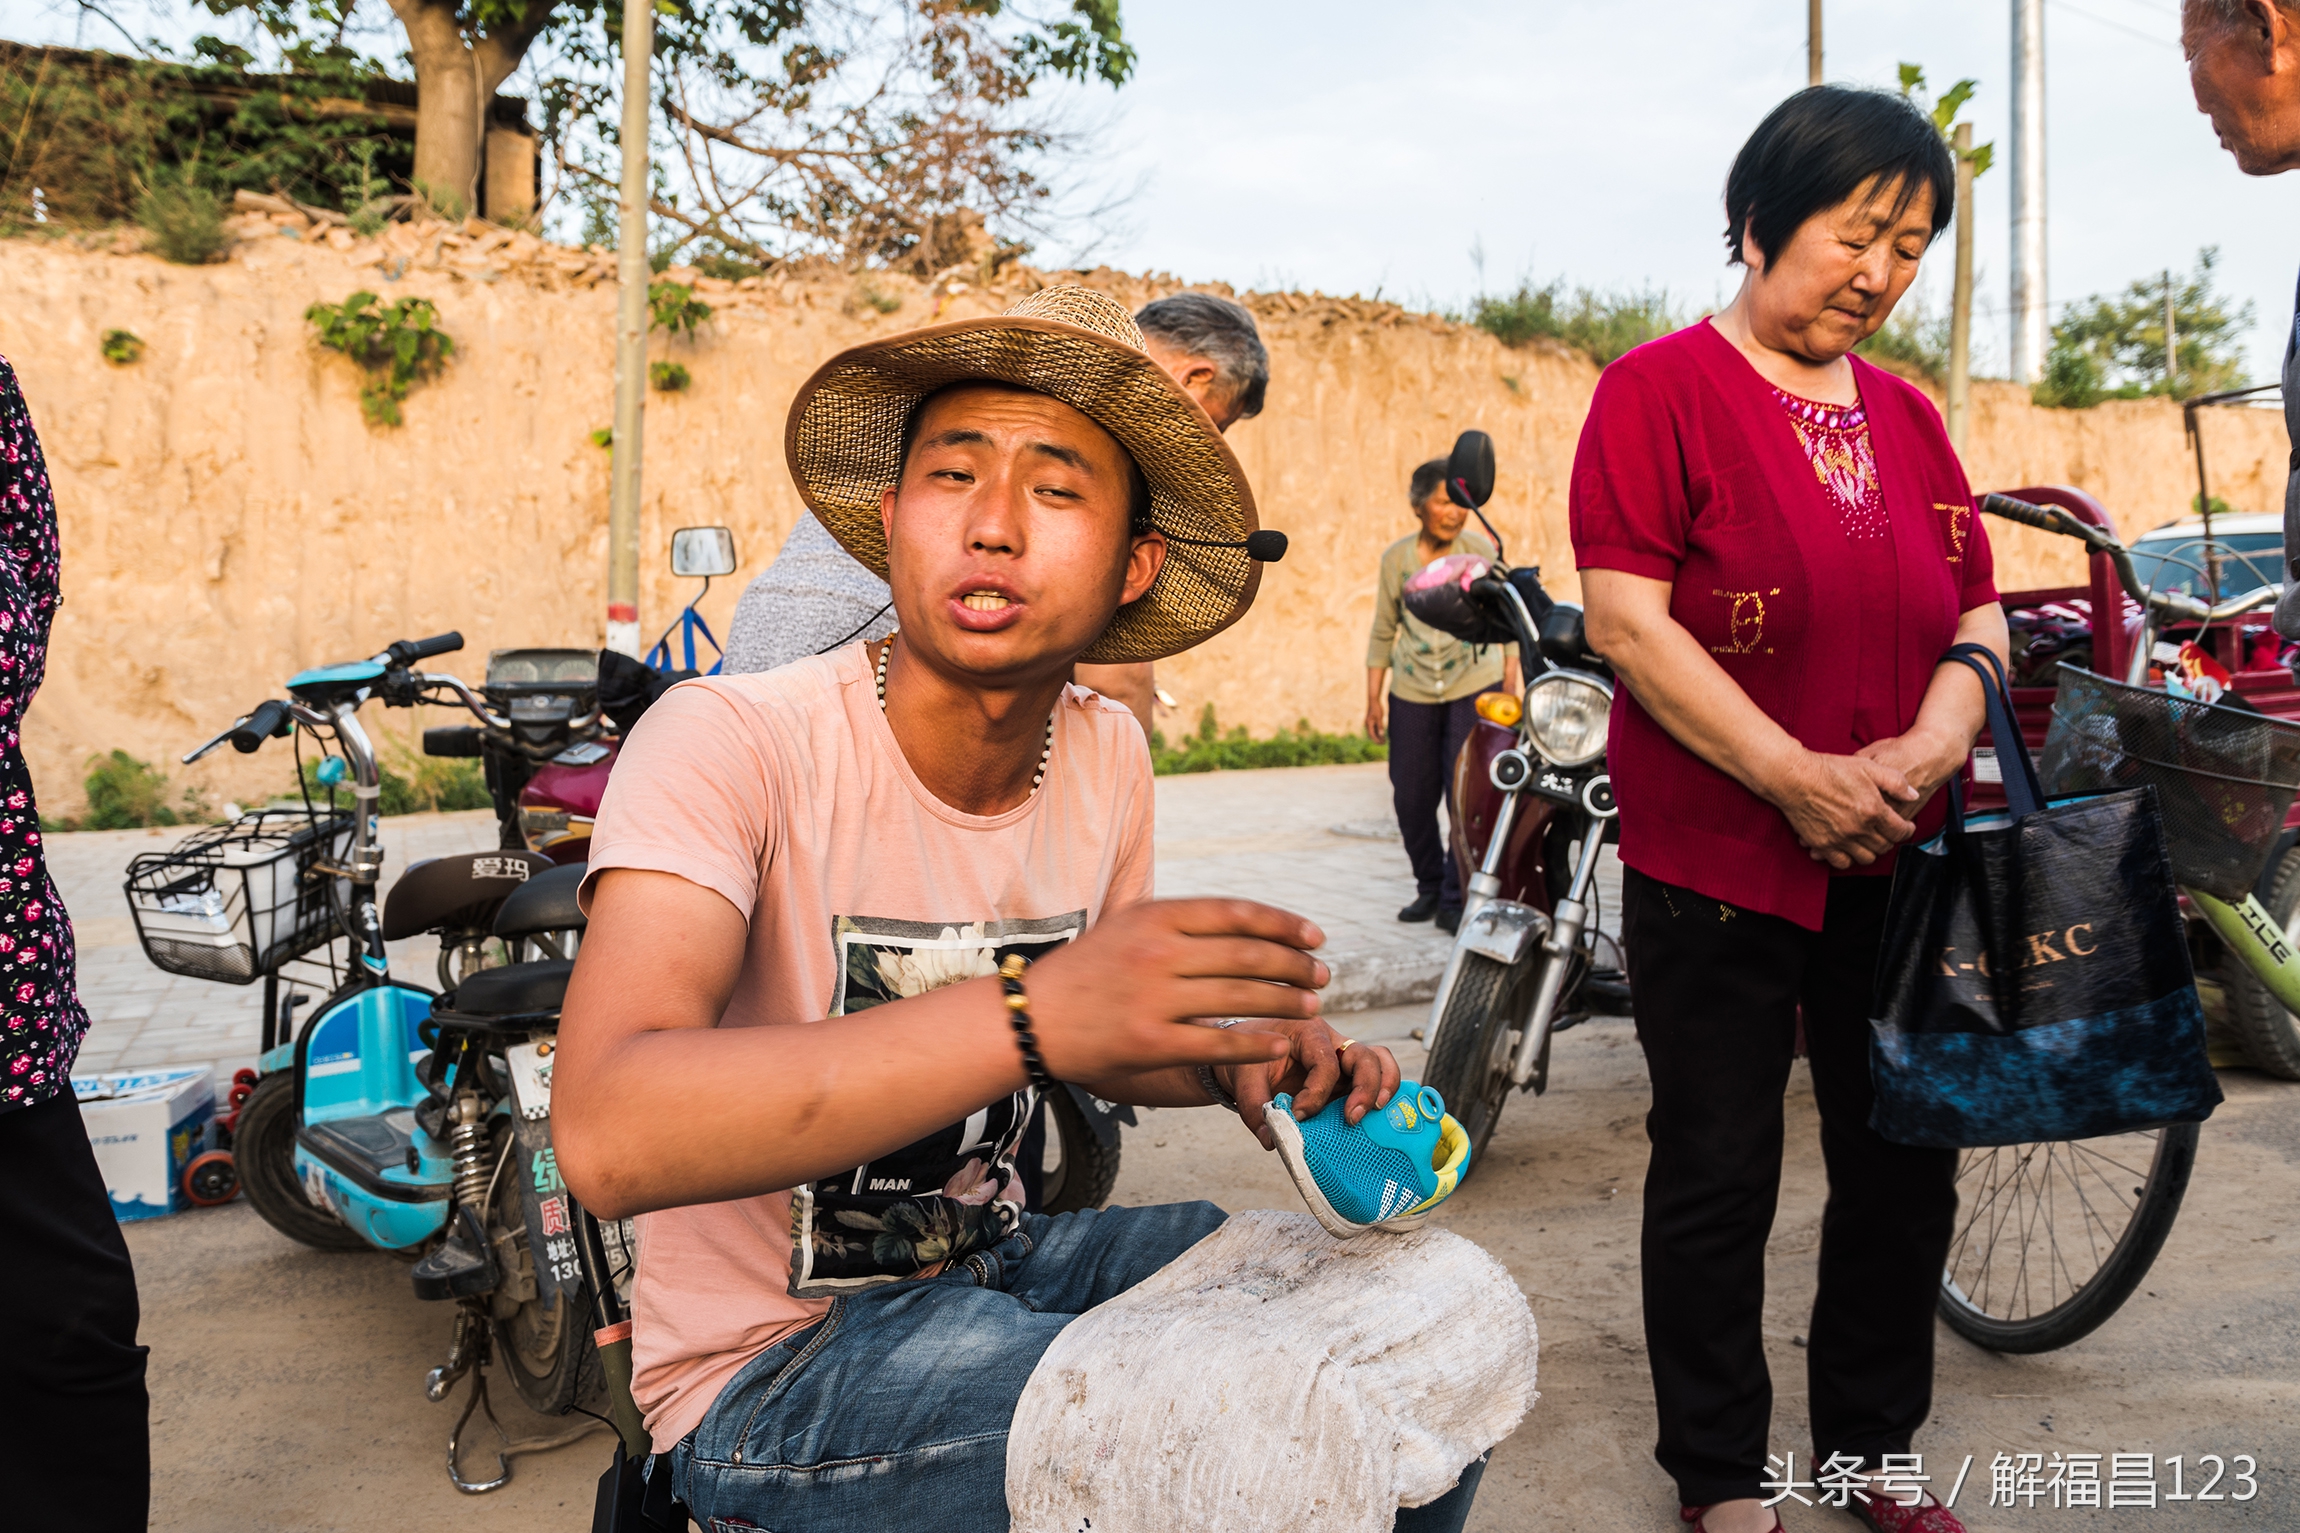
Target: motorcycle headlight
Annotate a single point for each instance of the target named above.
(1565, 716)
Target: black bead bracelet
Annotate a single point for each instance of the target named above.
(1018, 1013)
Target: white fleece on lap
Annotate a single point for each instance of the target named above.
(1273, 1379)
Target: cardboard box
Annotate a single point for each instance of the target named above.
(145, 1127)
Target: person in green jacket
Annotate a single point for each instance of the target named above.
(1428, 682)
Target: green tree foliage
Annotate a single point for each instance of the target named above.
(1603, 324)
(1944, 111)
(122, 348)
(858, 129)
(2113, 347)
(397, 344)
(668, 378)
(99, 134)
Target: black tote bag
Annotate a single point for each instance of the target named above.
(2034, 982)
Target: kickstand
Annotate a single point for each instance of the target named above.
(510, 1449)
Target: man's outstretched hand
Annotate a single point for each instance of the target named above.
(1126, 997)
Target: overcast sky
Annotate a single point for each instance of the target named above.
(1354, 146)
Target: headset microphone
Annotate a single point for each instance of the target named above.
(1264, 547)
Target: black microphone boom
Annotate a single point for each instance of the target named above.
(1267, 546)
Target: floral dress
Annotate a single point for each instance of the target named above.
(44, 1018)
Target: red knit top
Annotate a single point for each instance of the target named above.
(1829, 605)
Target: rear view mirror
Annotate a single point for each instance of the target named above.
(1469, 470)
(703, 551)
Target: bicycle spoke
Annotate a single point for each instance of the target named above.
(2039, 1222)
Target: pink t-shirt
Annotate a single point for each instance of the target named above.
(785, 793)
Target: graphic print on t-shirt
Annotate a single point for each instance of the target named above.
(955, 1191)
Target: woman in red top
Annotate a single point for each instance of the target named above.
(1776, 546)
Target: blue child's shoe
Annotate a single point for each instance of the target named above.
(1385, 1174)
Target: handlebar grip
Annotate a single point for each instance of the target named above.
(2028, 515)
(267, 721)
(408, 651)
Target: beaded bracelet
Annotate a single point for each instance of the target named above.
(1018, 1013)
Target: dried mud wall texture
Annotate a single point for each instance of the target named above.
(228, 518)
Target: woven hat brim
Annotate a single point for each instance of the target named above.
(844, 442)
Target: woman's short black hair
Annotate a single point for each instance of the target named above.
(1821, 146)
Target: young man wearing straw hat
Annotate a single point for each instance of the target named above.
(846, 917)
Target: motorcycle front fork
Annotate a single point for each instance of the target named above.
(1558, 950)
(1558, 947)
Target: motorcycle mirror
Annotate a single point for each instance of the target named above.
(1469, 470)
(703, 551)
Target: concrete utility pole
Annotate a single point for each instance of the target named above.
(1812, 42)
(2171, 337)
(2031, 333)
(632, 274)
(1961, 296)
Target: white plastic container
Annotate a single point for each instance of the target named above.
(145, 1127)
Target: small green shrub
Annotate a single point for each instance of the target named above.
(123, 348)
(1211, 750)
(397, 344)
(603, 437)
(127, 794)
(185, 221)
(413, 784)
(668, 377)
(869, 295)
(1603, 324)
(676, 308)
(2071, 379)
(1911, 341)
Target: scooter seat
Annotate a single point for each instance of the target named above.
(461, 892)
(514, 989)
(545, 903)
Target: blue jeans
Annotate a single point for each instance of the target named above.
(899, 1399)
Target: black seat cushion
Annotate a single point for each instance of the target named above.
(514, 988)
(457, 893)
(545, 903)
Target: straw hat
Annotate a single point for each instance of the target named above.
(844, 443)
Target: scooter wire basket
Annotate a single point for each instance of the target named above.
(234, 902)
(2224, 776)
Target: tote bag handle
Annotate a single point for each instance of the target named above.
(2024, 791)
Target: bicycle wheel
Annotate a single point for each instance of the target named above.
(1470, 1065)
(2052, 1238)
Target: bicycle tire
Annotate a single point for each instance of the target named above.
(2268, 1034)
(1463, 1068)
(263, 1147)
(2092, 1301)
(1088, 1169)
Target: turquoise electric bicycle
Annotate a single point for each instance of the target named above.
(394, 1117)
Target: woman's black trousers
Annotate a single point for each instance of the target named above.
(79, 1455)
(1717, 992)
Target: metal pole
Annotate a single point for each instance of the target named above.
(632, 273)
(1812, 42)
(2030, 332)
(1961, 296)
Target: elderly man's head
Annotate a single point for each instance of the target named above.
(2244, 65)
(1209, 346)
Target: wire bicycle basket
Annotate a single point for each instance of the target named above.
(2224, 776)
(234, 902)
